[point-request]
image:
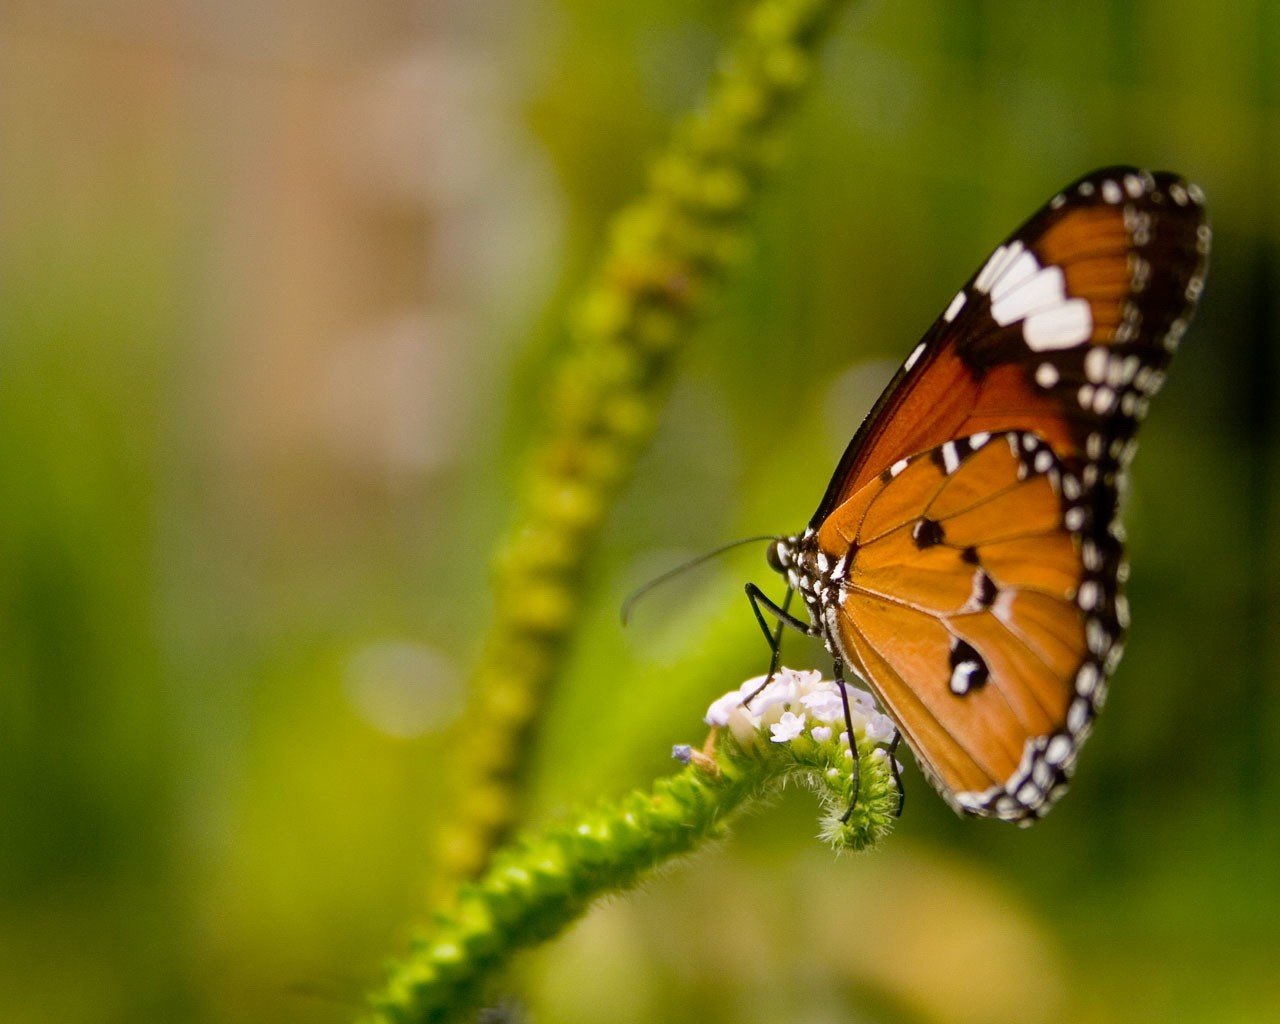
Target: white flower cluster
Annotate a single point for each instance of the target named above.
(795, 701)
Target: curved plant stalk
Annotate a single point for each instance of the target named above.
(664, 254)
(538, 886)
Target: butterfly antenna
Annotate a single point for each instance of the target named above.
(640, 591)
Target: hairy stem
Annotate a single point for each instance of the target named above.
(665, 253)
(539, 885)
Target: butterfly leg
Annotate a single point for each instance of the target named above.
(838, 667)
(760, 600)
(773, 637)
(897, 775)
(893, 751)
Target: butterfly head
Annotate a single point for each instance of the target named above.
(798, 560)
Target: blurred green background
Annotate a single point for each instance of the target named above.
(277, 285)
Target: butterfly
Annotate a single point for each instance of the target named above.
(967, 559)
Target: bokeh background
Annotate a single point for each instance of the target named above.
(277, 285)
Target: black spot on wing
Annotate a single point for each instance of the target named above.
(968, 670)
(927, 533)
(985, 589)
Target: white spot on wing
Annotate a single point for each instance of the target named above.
(914, 358)
(1141, 273)
(1000, 261)
(983, 281)
(1015, 274)
(1095, 364)
(1096, 636)
(1046, 375)
(1063, 326)
(962, 675)
(953, 310)
(1088, 596)
(1043, 289)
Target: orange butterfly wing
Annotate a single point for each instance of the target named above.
(967, 558)
(1114, 262)
(961, 607)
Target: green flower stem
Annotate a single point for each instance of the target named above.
(538, 886)
(665, 253)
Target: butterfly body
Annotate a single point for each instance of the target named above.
(967, 559)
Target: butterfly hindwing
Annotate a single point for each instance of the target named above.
(963, 605)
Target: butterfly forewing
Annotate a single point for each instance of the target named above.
(973, 519)
(1114, 263)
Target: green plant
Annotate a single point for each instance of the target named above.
(666, 252)
(542, 882)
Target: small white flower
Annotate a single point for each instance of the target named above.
(860, 699)
(787, 728)
(790, 701)
(777, 696)
(743, 725)
(721, 707)
(807, 681)
(751, 686)
(879, 728)
(824, 704)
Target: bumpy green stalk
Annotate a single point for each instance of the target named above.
(665, 253)
(537, 887)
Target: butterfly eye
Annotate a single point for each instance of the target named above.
(778, 558)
